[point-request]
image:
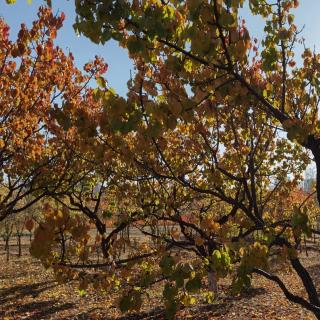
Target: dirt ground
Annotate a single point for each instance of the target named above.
(27, 291)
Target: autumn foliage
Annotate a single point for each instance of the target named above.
(202, 159)
(35, 78)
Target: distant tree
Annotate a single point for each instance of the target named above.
(6, 228)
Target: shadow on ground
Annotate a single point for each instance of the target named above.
(19, 292)
(315, 275)
(199, 312)
(41, 309)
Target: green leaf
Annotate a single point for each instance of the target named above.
(179, 279)
(194, 285)
(101, 82)
(300, 222)
(125, 303)
(168, 12)
(131, 301)
(82, 292)
(146, 279)
(169, 292)
(107, 214)
(188, 66)
(226, 18)
(166, 264)
(171, 308)
(135, 45)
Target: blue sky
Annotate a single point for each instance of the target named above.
(117, 58)
(82, 48)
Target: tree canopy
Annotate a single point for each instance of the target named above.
(203, 157)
